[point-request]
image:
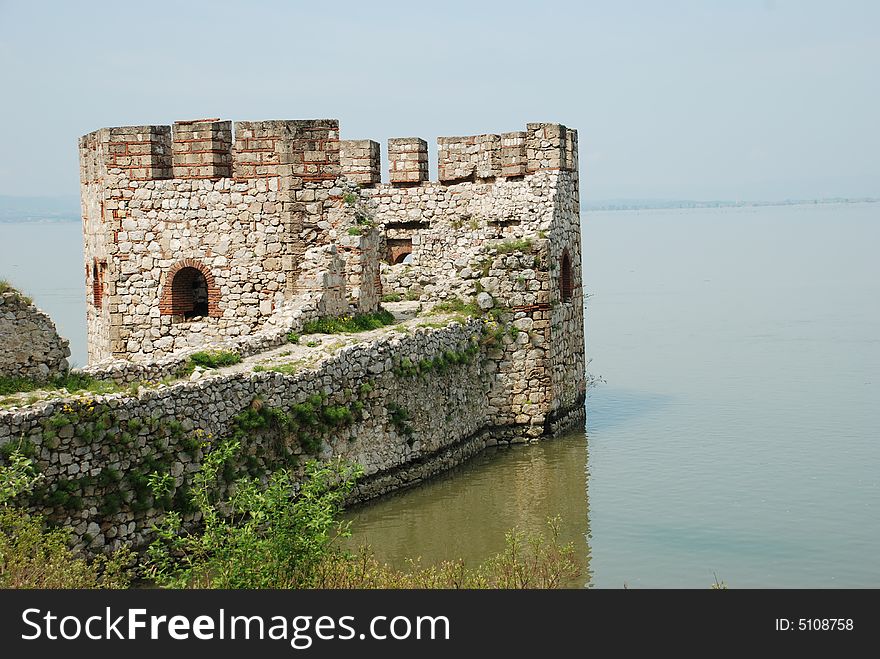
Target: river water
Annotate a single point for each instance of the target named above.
(736, 436)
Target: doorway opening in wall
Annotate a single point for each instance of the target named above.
(189, 294)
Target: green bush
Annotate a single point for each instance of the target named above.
(272, 538)
(32, 556)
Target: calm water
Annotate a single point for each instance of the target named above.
(737, 434)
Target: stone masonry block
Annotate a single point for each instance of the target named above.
(408, 159)
(278, 148)
(550, 146)
(202, 149)
(462, 158)
(359, 161)
(141, 152)
(513, 153)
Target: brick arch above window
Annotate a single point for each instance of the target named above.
(171, 304)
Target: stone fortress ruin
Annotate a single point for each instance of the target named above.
(206, 235)
(196, 233)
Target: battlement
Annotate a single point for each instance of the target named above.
(308, 149)
(312, 151)
(407, 160)
(360, 161)
(210, 149)
(542, 146)
(463, 158)
(551, 146)
(143, 152)
(202, 149)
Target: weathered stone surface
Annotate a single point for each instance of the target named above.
(29, 344)
(485, 301)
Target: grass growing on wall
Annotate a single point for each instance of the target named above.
(215, 358)
(208, 359)
(349, 324)
(6, 287)
(457, 306)
(508, 246)
(308, 422)
(72, 382)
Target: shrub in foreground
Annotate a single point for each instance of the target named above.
(32, 556)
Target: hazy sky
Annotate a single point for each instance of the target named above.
(744, 99)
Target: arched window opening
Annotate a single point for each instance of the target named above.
(398, 250)
(189, 293)
(565, 281)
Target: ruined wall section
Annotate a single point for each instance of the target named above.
(450, 225)
(491, 187)
(409, 420)
(496, 229)
(31, 347)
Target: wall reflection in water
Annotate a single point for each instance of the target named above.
(465, 513)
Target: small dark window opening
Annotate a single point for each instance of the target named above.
(189, 293)
(98, 268)
(565, 282)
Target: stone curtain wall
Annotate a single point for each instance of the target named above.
(417, 405)
(31, 347)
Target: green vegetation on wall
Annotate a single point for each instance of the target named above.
(345, 324)
(208, 359)
(33, 556)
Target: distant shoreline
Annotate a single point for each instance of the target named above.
(637, 205)
(610, 205)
